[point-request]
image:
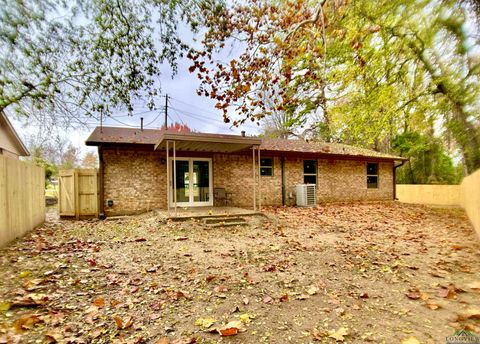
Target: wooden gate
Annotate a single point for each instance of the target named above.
(78, 193)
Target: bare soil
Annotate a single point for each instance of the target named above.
(352, 273)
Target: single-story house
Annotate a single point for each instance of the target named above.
(10, 143)
(133, 171)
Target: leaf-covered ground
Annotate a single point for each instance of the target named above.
(352, 273)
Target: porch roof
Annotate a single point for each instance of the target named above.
(201, 142)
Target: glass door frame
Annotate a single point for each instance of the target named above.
(191, 202)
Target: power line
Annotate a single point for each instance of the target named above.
(197, 115)
(195, 106)
(178, 115)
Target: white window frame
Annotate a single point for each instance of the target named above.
(191, 202)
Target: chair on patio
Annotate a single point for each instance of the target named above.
(222, 196)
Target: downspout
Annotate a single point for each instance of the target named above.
(395, 178)
(101, 201)
(282, 164)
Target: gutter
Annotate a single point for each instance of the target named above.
(395, 178)
(101, 201)
(284, 189)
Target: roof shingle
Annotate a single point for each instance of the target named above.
(116, 135)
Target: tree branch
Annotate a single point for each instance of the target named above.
(307, 21)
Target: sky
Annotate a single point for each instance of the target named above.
(185, 106)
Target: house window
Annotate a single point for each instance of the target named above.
(372, 175)
(266, 167)
(309, 171)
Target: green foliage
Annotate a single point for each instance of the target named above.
(88, 57)
(37, 156)
(359, 72)
(428, 162)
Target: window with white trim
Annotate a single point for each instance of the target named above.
(372, 175)
(266, 167)
(310, 171)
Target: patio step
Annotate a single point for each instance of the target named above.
(220, 219)
(225, 221)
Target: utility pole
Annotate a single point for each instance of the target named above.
(166, 111)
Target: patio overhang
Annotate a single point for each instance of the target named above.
(215, 143)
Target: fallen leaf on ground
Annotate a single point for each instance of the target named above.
(319, 335)
(470, 313)
(163, 340)
(338, 335)
(433, 305)
(54, 336)
(118, 321)
(246, 318)
(231, 329)
(99, 302)
(415, 294)
(312, 290)
(26, 322)
(5, 306)
(447, 293)
(205, 323)
(181, 238)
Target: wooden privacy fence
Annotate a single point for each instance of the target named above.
(465, 195)
(22, 198)
(446, 195)
(78, 193)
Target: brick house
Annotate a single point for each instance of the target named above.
(134, 176)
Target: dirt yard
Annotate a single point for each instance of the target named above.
(351, 273)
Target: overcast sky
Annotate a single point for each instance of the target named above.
(185, 106)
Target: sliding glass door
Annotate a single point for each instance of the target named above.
(193, 182)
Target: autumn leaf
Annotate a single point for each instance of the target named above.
(26, 322)
(338, 335)
(128, 322)
(99, 302)
(319, 335)
(118, 321)
(284, 298)
(432, 305)
(267, 299)
(246, 318)
(447, 293)
(470, 313)
(231, 329)
(5, 306)
(163, 340)
(410, 340)
(54, 336)
(413, 295)
(205, 323)
(24, 274)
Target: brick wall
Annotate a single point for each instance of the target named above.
(340, 180)
(235, 174)
(136, 180)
